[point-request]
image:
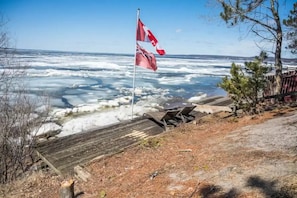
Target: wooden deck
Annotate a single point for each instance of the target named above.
(63, 154)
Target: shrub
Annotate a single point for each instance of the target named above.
(18, 118)
(245, 85)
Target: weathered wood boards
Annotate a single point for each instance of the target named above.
(63, 154)
(288, 87)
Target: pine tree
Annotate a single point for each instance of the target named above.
(264, 18)
(245, 85)
(291, 23)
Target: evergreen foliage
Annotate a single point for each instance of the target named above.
(264, 20)
(245, 85)
(291, 23)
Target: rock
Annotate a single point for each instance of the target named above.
(212, 109)
(47, 130)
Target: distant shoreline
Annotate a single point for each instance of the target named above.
(166, 56)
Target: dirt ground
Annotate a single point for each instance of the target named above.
(218, 156)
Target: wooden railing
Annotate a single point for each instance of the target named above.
(289, 85)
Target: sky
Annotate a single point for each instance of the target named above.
(108, 26)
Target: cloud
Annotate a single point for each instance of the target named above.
(178, 30)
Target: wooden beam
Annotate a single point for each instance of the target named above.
(48, 163)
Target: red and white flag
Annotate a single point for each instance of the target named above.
(144, 34)
(145, 59)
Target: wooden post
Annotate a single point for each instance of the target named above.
(82, 173)
(67, 189)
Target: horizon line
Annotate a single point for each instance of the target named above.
(122, 53)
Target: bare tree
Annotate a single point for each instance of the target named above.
(263, 16)
(17, 114)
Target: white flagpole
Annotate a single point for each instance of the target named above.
(133, 91)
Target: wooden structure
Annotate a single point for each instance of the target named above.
(185, 113)
(67, 189)
(65, 153)
(288, 87)
(164, 118)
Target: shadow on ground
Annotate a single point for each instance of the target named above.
(211, 191)
(267, 188)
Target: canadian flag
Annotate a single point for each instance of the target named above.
(145, 59)
(144, 34)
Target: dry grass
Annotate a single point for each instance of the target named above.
(184, 162)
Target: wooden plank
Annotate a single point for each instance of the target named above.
(86, 148)
(65, 167)
(72, 141)
(66, 164)
(288, 86)
(209, 99)
(223, 101)
(89, 143)
(90, 132)
(63, 155)
(48, 163)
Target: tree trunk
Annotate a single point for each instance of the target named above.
(67, 189)
(278, 62)
(278, 48)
